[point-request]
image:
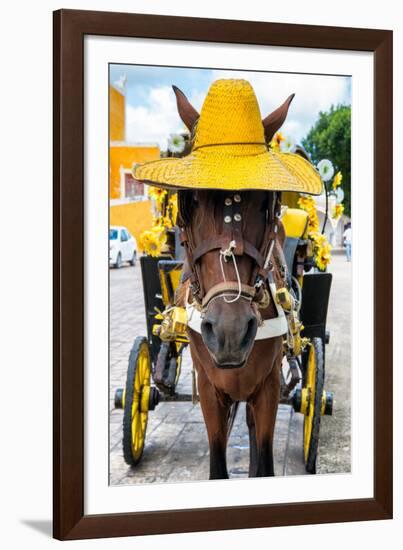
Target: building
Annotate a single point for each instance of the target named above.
(129, 203)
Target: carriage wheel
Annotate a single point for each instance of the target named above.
(136, 401)
(313, 403)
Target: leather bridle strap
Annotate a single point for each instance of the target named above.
(228, 287)
(269, 239)
(221, 243)
(194, 276)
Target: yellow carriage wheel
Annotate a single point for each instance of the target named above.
(136, 401)
(311, 403)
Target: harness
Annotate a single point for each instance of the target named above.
(269, 328)
(231, 244)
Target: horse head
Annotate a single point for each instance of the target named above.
(227, 233)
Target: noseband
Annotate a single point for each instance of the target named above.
(231, 244)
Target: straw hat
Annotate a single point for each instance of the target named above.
(229, 150)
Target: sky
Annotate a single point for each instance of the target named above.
(151, 113)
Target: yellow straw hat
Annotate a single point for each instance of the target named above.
(229, 151)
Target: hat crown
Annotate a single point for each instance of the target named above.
(230, 114)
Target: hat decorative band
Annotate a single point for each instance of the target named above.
(229, 143)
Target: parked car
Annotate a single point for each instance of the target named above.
(122, 246)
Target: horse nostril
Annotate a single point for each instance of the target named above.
(207, 328)
(250, 331)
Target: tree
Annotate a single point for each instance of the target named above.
(330, 138)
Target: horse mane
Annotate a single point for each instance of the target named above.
(185, 207)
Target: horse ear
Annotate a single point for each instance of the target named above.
(186, 111)
(276, 119)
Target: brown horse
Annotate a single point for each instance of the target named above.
(227, 236)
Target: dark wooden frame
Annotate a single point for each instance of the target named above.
(70, 27)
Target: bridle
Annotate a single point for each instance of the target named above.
(231, 244)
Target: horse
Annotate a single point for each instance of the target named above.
(227, 235)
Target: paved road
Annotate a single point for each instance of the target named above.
(176, 443)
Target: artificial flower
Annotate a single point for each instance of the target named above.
(287, 145)
(276, 141)
(158, 195)
(337, 180)
(326, 169)
(173, 208)
(319, 239)
(158, 222)
(163, 222)
(323, 257)
(321, 246)
(322, 250)
(313, 223)
(176, 143)
(337, 211)
(307, 203)
(151, 241)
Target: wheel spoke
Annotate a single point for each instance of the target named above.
(311, 383)
(136, 433)
(139, 373)
(134, 428)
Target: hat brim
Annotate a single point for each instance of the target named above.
(223, 168)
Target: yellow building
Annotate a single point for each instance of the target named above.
(117, 125)
(129, 203)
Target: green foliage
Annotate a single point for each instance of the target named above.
(330, 138)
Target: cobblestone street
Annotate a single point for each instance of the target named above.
(176, 442)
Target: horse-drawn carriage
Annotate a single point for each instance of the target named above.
(154, 365)
(298, 304)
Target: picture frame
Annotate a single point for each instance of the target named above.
(70, 28)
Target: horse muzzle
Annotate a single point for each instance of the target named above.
(229, 332)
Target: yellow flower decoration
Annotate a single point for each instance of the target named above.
(276, 140)
(173, 208)
(308, 204)
(322, 250)
(323, 257)
(152, 241)
(337, 180)
(321, 246)
(337, 211)
(158, 195)
(166, 222)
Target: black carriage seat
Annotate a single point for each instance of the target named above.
(152, 299)
(315, 301)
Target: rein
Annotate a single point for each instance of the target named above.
(229, 245)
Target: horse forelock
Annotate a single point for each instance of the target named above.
(203, 212)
